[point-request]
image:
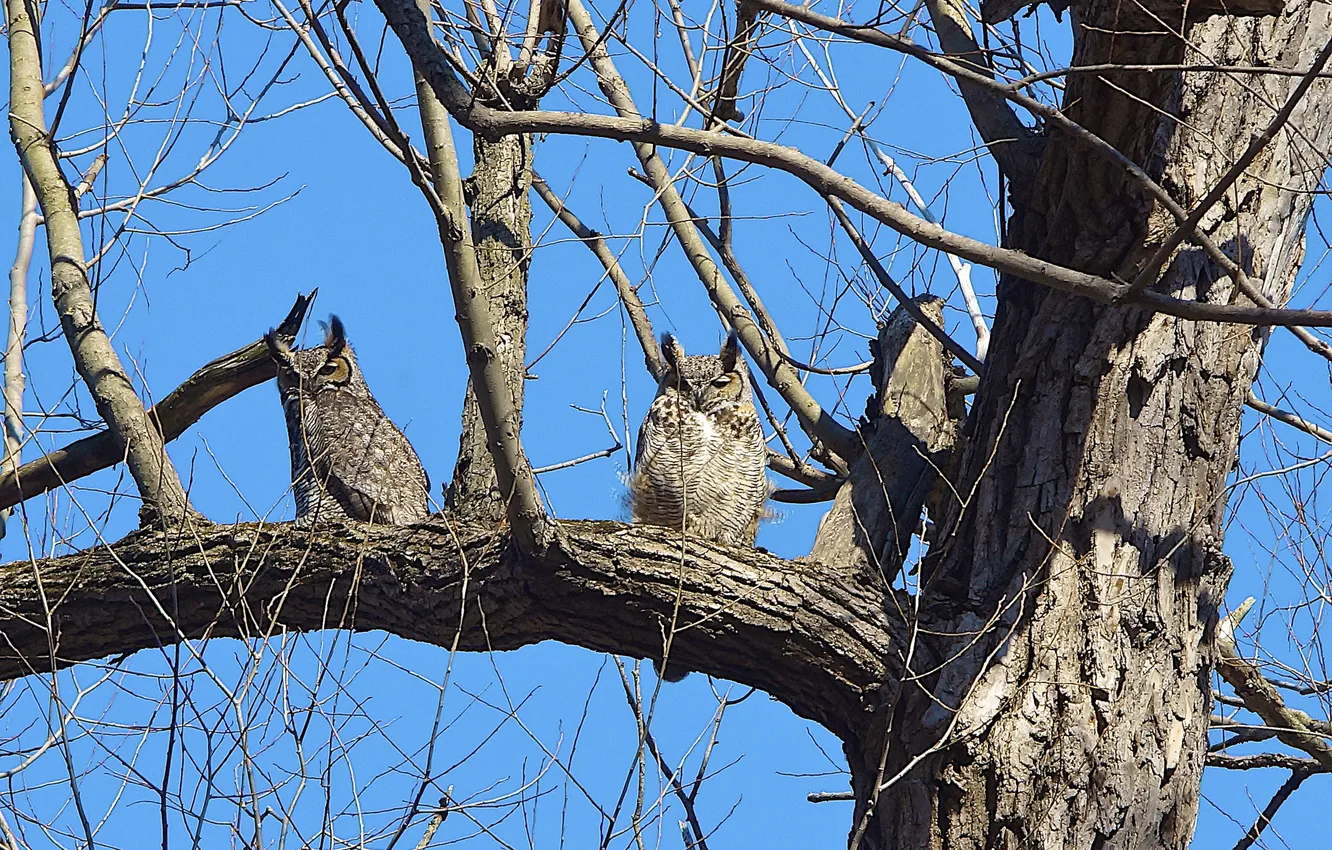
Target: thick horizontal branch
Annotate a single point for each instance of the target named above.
(427, 58)
(204, 390)
(818, 640)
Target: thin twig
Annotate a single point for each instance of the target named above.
(18, 331)
(817, 423)
(633, 305)
(428, 59)
(886, 281)
(961, 270)
(584, 459)
(1269, 811)
(686, 800)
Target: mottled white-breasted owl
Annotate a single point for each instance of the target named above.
(701, 457)
(348, 461)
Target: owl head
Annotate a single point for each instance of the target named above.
(707, 382)
(310, 371)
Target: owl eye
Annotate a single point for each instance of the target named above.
(336, 370)
(724, 380)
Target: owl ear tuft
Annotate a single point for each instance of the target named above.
(335, 336)
(671, 351)
(277, 349)
(730, 352)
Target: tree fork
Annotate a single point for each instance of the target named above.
(492, 477)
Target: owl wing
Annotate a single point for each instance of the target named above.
(366, 463)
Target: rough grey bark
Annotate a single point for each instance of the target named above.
(1088, 551)
(501, 218)
(819, 640)
(908, 436)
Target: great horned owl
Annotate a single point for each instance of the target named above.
(701, 456)
(348, 461)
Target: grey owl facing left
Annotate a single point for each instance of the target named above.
(701, 457)
(348, 461)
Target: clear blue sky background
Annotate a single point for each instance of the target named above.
(358, 230)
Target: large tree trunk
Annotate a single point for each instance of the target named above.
(1064, 669)
(501, 230)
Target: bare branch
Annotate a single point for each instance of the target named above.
(686, 800)
(1269, 811)
(205, 389)
(801, 472)
(733, 63)
(1015, 147)
(500, 414)
(721, 244)
(94, 357)
(1291, 419)
(18, 332)
(961, 270)
(817, 423)
(906, 301)
(1261, 696)
(436, 820)
(1056, 117)
(606, 452)
(633, 305)
(1260, 761)
(824, 180)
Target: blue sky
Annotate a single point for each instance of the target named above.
(355, 227)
